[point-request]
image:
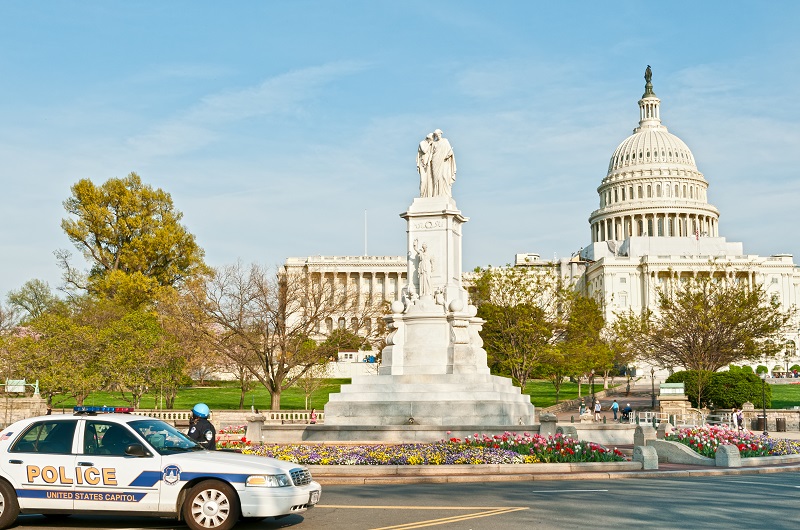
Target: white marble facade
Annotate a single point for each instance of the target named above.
(654, 222)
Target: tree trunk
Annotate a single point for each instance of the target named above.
(275, 400)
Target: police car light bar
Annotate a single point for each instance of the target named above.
(95, 410)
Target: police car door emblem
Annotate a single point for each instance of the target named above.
(172, 474)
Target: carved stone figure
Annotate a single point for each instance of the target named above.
(424, 154)
(443, 165)
(424, 268)
(648, 74)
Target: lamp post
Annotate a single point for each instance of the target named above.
(764, 400)
(591, 380)
(653, 389)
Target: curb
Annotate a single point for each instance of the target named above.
(441, 475)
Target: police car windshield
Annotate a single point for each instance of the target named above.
(164, 437)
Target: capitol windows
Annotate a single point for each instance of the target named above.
(677, 192)
(639, 190)
(649, 227)
(658, 190)
(649, 191)
(616, 196)
(354, 324)
(329, 325)
(342, 323)
(630, 192)
(623, 299)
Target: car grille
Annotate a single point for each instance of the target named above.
(300, 476)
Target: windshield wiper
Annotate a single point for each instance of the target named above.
(182, 449)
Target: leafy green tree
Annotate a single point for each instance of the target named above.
(342, 339)
(523, 308)
(705, 323)
(62, 353)
(515, 337)
(722, 389)
(33, 298)
(138, 355)
(126, 227)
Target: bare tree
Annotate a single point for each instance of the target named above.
(312, 380)
(271, 317)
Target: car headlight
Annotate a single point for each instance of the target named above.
(269, 481)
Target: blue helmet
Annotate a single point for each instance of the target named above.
(201, 410)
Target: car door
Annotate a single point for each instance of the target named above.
(107, 475)
(41, 464)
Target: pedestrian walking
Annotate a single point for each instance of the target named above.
(597, 409)
(615, 409)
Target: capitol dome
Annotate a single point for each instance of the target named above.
(653, 187)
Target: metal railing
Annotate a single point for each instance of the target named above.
(692, 419)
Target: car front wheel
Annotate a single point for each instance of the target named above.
(9, 507)
(211, 504)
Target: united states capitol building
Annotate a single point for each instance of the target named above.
(653, 224)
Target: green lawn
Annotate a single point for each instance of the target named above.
(224, 395)
(785, 396)
(543, 393)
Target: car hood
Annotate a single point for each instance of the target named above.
(231, 462)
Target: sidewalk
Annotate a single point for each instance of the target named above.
(639, 399)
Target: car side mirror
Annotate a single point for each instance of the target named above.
(136, 450)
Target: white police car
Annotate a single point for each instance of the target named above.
(125, 464)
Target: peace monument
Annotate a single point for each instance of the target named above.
(434, 369)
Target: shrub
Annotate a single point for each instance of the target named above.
(761, 369)
(724, 389)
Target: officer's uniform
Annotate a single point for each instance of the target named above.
(204, 433)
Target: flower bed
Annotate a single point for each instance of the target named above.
(506, 448)
(706, 439)
(237, 444)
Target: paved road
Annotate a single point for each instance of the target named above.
(749, 501)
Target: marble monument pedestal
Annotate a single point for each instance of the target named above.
(434, 369)
(430, 399)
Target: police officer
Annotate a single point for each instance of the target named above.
(201, 430)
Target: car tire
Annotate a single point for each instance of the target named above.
(211, 504)
(9, 506)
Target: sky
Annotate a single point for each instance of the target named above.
(276, 125)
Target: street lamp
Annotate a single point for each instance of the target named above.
(591, 381)
(653, 388)
(763, 376)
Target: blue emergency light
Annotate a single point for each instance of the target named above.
(95, 410)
